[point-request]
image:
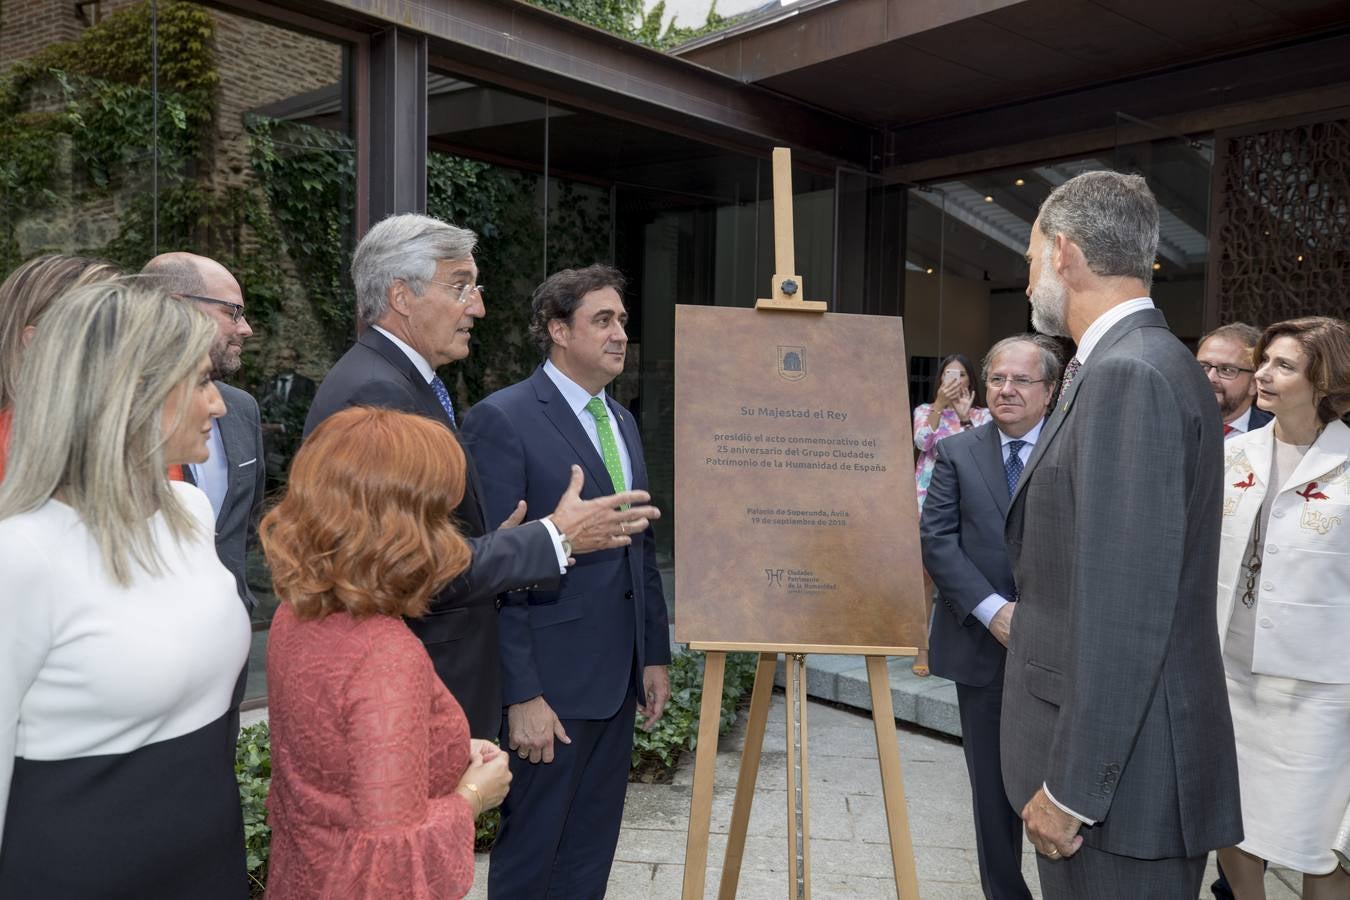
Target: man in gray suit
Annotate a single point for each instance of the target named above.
(1117, 743)
(961, 528)
(233, 474)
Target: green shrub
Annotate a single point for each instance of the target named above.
(253, 770)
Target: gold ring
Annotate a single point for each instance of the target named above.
(1053, 853)
(623, 527)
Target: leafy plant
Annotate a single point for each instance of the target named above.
(657, 752)
(253, 771)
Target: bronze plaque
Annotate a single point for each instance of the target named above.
(797, 520)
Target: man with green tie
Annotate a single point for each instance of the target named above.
(578, 658)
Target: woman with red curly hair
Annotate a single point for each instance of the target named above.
(375, 782)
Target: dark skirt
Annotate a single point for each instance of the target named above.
(162, 822)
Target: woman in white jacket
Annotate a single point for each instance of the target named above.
(1284, 611)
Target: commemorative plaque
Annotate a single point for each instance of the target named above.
(797, 520)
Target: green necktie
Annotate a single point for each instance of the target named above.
(608, 448)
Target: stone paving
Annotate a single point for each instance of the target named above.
(849, 847)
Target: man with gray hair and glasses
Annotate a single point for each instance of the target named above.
(1117, 742)
(418, 297)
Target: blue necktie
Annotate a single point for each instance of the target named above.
(1013, 467)
(443, 395)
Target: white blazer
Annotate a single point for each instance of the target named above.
(1303, 612)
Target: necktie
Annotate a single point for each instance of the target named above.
(1227, 430)
(443, 395)
(1070, 371)
(1013, 467)
(608, 448)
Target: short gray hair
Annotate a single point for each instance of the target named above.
(1050, 361)
(405, 248)
(1113, 217)
(87, 416)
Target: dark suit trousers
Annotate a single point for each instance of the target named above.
(560, 821)
(998, 827)
(1092, 874)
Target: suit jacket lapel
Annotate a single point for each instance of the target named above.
(394, 355)
(470, 509)
(1055, 421)
(560, 414)
(988, 455)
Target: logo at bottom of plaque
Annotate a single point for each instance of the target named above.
(792, 363)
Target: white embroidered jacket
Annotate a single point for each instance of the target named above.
(1303, 614)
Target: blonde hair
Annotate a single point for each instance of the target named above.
(87, 416)
(25, 296)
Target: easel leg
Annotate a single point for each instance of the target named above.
(892, 779)
(705, 765)
(798, 797)
(760, 698)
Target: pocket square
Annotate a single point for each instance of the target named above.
(247, 462)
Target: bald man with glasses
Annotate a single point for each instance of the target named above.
(233, 476)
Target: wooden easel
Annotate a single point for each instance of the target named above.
(786, 296)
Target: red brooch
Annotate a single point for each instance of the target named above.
(1251, 480)
(1311, 493)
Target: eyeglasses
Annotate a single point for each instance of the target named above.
(236, 309)
(1227, 373)
(1018, 381)
(465, 290)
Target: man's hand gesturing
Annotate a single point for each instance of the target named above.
(601, 524)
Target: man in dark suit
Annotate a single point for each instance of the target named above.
(284, 401)
(1225, 355)
(417, 291)
(577, 658)
(961, 529)
(1116, 737)
(234, 473)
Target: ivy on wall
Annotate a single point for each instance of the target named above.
(627, 19)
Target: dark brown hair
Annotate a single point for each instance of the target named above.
(1326, 341)
(560, 294)
(365, 525)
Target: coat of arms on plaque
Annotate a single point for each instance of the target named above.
(792, 363)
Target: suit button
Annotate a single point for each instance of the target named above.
(1270, 549)
(1266, 623)
(1277, 514)
(1267, 586)
(628, 595)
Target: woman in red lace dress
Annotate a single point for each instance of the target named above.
(375, 782)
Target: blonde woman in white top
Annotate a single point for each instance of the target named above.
(1284, 612)
(123, 634)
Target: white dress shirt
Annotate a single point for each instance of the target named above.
(213, 476)
(1102, 324)
(1240, 425)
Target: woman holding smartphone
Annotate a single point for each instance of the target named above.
(955, 407)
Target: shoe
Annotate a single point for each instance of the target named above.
(920, 665)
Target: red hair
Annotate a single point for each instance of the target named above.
(364, 527)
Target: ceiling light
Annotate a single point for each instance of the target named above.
(988, 198)
(1300, 257)
(928, 271)
(1157, 266)
(1019, 182)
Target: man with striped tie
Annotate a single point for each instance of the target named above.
(577, 659)
(975, 474)
(418, 296)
